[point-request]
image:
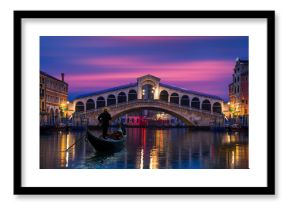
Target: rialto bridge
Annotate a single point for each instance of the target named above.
(194, 108)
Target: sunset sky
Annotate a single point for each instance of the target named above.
(203, 64)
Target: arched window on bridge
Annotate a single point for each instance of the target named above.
(122, 97)
(184, 101)
(101, 102)
(164, 95)
(206, 105)
(132, 95)
(148, 92)
(217, 108)
(80, 107)
(174, 98)
(195, 103)
(111, 100)
(90, 105)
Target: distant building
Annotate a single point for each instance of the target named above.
(53, 99)
(226, 110)
(239, 92)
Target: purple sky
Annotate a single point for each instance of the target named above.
(92, 63)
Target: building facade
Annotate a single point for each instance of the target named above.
(239, 93)
(53, 100)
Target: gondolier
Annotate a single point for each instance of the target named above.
(105, 118)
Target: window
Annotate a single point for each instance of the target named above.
(206, 105)
(174, 98)
(90, 104)
(217, 108)
(122, 97)
(164, 95)
(185, 100)
(195, 103)
(80, 107)
(111, 100)
(132, 95)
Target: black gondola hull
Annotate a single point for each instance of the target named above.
(101, 144)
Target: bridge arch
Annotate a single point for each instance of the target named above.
(174, 98)
(132, 95)
(206, 105)
(111, 100)
(148, 82)
(195, 103)
(185, 101)
(101, 102)
(90, 104)
(217, 108)
(122, 97)
(159, 108)
(164, 96)
(80, 107)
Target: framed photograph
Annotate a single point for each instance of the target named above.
(144, 102)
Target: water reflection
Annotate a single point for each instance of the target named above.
(149, 149)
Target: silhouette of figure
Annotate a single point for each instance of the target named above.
(104, 118)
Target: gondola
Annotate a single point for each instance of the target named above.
(108, 144)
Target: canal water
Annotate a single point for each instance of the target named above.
(174, 148)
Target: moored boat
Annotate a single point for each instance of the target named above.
(108, 144)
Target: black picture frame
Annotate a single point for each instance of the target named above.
(269, 16)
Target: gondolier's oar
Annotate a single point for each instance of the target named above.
(86, 129)
(74, 143)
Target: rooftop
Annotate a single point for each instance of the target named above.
(191, 91)
(242, 61)
(108, 90)
(50, 76)
(135, 84)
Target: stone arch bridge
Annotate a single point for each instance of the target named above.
(194, 108)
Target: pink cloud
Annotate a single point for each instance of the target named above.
(201, 75)
(136, 66)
